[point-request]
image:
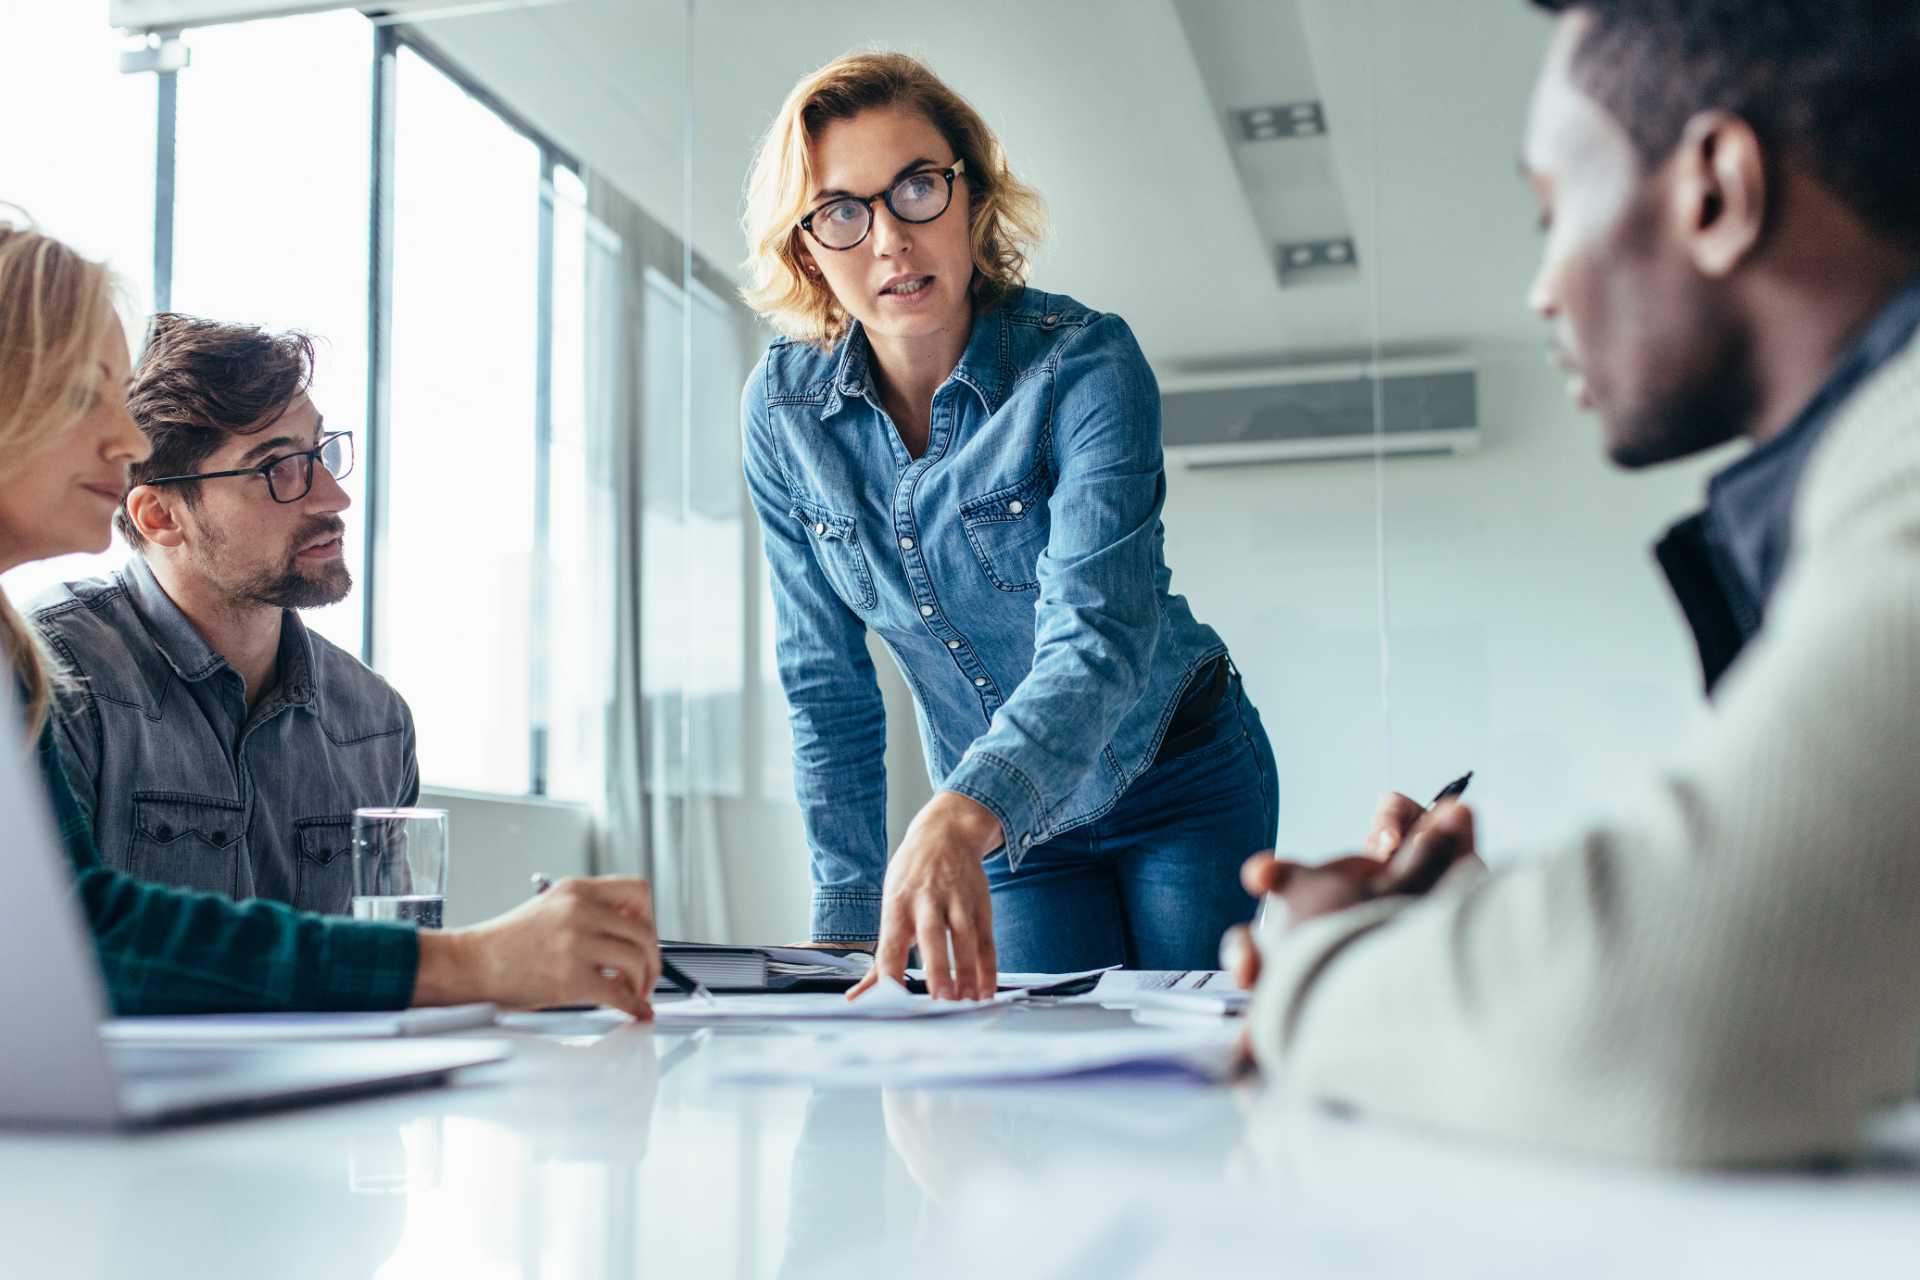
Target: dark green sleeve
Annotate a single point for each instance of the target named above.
(165, 950)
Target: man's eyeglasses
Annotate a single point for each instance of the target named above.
(289, 477)
(918, 197)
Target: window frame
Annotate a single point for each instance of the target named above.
(388, 40)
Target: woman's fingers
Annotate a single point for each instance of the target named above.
(932, 932)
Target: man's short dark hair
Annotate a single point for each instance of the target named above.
(198, 383)
(1832, 85)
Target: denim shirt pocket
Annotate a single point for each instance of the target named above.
(323, 869)
(1008, 529)
(836, 546)
(190, 842)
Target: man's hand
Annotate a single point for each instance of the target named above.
(1416, 849)
(936, 894)
(551, 949)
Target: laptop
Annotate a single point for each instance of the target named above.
(56, 1070)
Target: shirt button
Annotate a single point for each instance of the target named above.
(163, 832)
(953, 644)
(1053, 318)
(219, 837)
(979, 682)
(906, 544)
(926, 611)
(1026, 841)
(1016, 506)
(820, 530)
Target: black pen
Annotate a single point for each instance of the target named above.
(1452, 791)
(668, 969)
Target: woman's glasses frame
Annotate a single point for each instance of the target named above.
(952, 171)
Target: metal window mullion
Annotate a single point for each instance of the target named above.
(386, 48)
(540, 667)
(165, 158)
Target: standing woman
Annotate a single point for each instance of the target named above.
(972, 469)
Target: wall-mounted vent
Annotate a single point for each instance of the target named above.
(1282, 120)
(1305, 261)
(1321, 412)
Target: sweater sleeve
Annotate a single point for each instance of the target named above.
(1724, 975)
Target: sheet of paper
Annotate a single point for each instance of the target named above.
(1025, 981)
(856, 963)
(177, 1028)
(886, 1000)
(919, 1056)
(1120, 988)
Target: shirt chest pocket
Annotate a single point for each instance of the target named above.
(192, 842)
(837, 548)
(1008, 529)
(323, 865)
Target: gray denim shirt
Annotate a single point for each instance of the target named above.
(184, 786)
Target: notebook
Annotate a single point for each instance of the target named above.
(728, 968)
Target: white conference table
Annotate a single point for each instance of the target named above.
(606, 1154)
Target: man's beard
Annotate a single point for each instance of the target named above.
(293, 589)
(290, 586)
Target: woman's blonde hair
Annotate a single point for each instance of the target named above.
(1005, 216)
(56, 307)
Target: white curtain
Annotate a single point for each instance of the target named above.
(668, 358)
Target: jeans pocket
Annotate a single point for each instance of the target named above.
(1008, 529)
(836, 546)
(190, 842)
(323, 865)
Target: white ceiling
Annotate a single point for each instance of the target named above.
(1104, 105)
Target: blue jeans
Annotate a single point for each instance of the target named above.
(1156, 881)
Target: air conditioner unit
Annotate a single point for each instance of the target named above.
(1321, 412)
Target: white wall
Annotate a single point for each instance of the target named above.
(1532, 638)
(497, 845)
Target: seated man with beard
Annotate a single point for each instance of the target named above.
(215, 741)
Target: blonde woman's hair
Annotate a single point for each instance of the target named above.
(1005, 216)
(55, 309)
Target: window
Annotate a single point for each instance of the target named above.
(574, 678)
(270, 217)
(693, 572)
(454, 630)
(84, 173)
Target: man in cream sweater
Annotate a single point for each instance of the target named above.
(1730, 972)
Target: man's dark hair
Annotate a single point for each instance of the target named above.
(1833, 85)
(198, 383)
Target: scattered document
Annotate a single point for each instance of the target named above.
(902, 1059)
(1032, 983)
(1122, 988)
(886, 1000)
(200, 1027)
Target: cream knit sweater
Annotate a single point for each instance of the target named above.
(1733, 973)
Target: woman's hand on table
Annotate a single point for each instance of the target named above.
(936, 896)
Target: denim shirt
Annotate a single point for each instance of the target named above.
(182, 785)
(1016, 572)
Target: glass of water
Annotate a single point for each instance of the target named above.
(400, 865)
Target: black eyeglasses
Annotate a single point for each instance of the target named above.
(289, 477)
(918, 197)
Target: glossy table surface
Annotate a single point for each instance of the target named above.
(621, 1152)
